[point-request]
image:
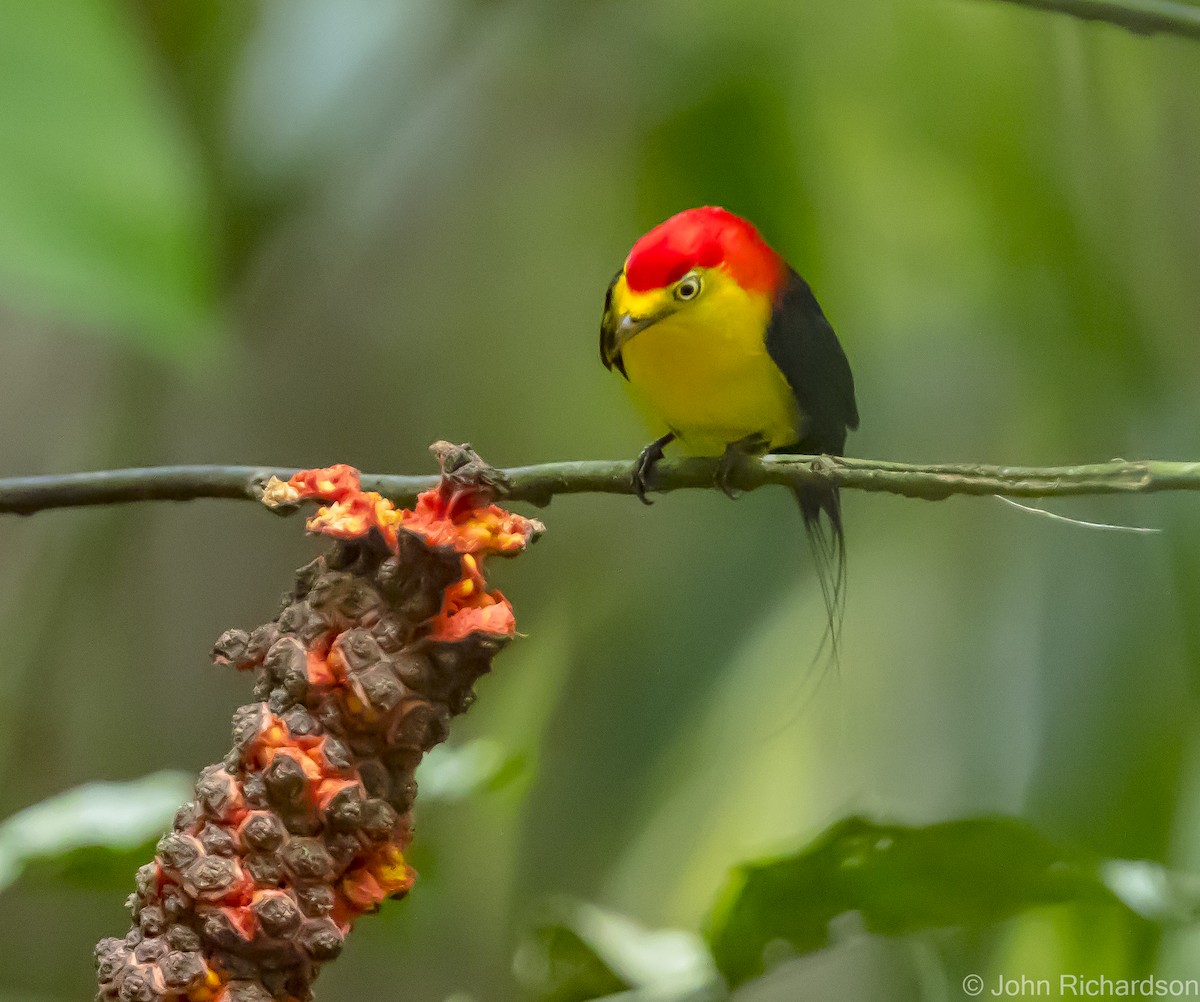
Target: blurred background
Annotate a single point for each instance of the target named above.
(300, 233)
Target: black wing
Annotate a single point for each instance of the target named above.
(608, 331)
(807, 351)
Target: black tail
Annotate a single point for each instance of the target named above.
(808, 353)
(827, 540)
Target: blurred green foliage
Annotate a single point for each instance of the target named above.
(91, 834)
(579, 952)
(970, 872)
(287, 231)
(560, 966)
(103, 204)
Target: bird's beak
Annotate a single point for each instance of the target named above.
(624, 329)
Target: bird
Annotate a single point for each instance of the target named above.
(728, 354)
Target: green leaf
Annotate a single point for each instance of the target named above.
(449, 773)
(92, 833)
(103, 205)
(969, 872)
(91, 867)
(589, 952)
(555, 964)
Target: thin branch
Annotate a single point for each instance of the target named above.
(538, 484)
(1142, 17)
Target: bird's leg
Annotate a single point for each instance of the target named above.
(735, 452)
(643, 469)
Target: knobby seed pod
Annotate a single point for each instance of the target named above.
(302, 827)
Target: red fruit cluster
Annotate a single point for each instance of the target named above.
(303, 826)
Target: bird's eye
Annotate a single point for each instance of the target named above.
(688, 288)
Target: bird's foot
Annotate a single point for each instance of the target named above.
(643, 469)
(731, 458)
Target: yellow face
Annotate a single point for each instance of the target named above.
(661, 303)
(695, 356)
(702, 298)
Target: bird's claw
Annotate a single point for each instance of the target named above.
(726, 466)
(641, 473)
(735, 452)
(643, 469)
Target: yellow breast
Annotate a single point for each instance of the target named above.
(704, 373)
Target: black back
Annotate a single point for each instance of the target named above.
(807, 351)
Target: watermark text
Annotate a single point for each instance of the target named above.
(1079, 986)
